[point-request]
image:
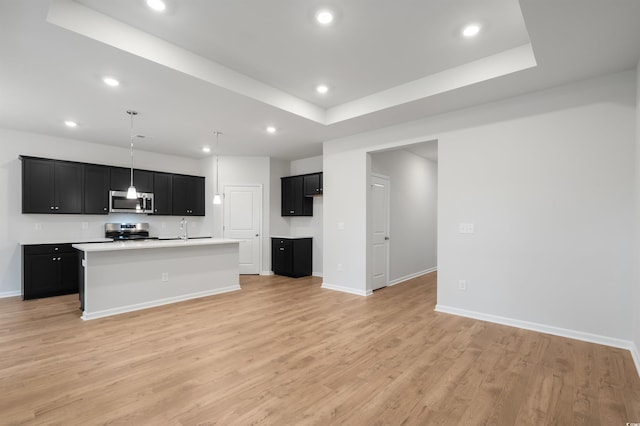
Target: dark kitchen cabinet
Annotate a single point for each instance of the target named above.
(312, 184)
(291, 256)
(162, 193)
(188, 195)
(96, 189)
(51, 186)
(294, 203)
(49, 270)
(121, 179)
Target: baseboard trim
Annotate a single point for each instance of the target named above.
(412, 276)
(316, 274)
(266, 273)
(155, 303)
(10, 294)
(547, 329)
(346, 289)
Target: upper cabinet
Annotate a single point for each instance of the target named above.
(162, 193)
(312, 184)
(121, 179)
(56, 186)
(294, 203)
(96, 189)
(188, 195)
(51, 186)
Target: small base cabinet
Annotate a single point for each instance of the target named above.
(49, 270)
(291, 256)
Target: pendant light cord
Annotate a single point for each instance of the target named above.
(131, 140)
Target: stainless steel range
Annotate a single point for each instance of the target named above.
(127, 231)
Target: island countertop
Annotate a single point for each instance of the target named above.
(151, 244)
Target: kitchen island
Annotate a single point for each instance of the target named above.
(120, 277)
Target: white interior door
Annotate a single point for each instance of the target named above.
(379, 231)
(242, 206)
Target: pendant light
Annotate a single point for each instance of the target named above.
(132, 194)
(217, 198)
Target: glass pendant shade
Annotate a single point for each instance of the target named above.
(132, 193)
(217, 199)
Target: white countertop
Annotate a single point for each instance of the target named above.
(64, 241)
(291, 237)
(152, 244)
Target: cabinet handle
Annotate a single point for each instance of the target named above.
(51, 207)
(281, 248)
(104, 209)
(53, 258)
(57, 208)
(59, 258)
(292, 211)
(56, 248)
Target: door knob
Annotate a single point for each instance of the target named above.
(257, 235)
(386, 238)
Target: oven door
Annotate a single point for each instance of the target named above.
(119, 203)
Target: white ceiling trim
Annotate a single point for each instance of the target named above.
(85, 21)
(498, 65)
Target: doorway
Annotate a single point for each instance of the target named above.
(411, 215)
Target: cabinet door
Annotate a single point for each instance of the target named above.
(197, 196)
(68, 269)
(68, 187)
(96, 189)
(180, 203)
(281, 256)
(302, 257)
(312, 184)
(162, 188)
(38, 186)
(41, 277)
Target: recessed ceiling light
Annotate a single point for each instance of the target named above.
(206, 149)
(322, 88)
(70, 123)
(324, 17)
(271, 129)
(471, 30)
(110, 81)
(157, 5)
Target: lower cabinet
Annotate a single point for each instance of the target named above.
(291, 256)
(49, 270)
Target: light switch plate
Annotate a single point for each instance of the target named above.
(466, 228)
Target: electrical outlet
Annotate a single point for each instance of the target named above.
(462, 285)
(85, 225)
(38, 227)
(165, 276)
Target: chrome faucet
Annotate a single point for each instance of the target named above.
(184, 227)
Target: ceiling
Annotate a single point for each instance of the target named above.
(240, 66)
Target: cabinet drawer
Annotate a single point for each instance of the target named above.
(49, 249)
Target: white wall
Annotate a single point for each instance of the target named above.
(241, 171)
(547, 179)
(15, 226)
(309, 225)
(413, 212)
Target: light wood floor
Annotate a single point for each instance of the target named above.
(286, 352)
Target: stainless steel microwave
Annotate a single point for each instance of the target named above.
(119, 203)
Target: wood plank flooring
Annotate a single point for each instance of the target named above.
(285, 352)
